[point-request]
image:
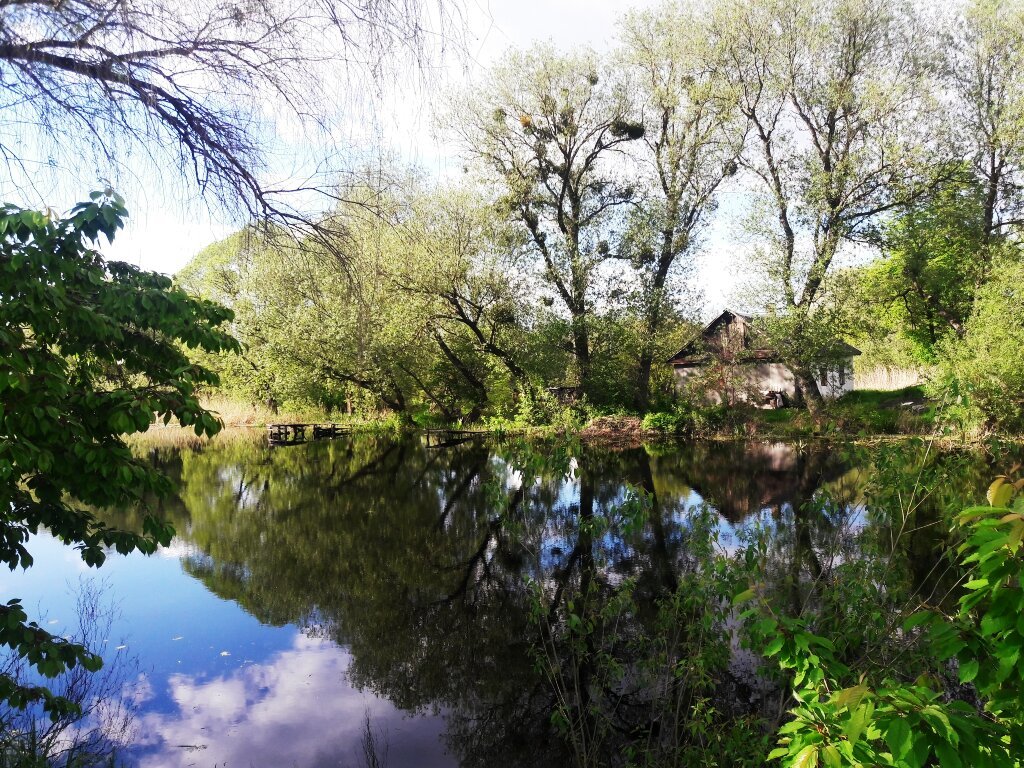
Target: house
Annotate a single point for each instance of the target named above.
(728, 363)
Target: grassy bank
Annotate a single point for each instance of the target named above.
(246, 421)
(863, 413)
(859, 414)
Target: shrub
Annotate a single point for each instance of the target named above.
(982, 374)
(847, 716)
(688, 420)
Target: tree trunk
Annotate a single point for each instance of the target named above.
(472, 379)
(581, 350)
(642, 398)
(807, 388)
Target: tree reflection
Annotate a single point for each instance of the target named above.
(420, 558)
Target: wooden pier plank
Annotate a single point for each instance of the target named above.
(289, 434)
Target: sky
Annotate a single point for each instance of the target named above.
(164, 231)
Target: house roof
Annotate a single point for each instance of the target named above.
(690, 351)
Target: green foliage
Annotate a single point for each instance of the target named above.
(881, 412)
(860, 412)
(425, 316)
(983, 374)
(851, 716)
(921, 292)
(89, 351)
(688, 420)
(879, 398)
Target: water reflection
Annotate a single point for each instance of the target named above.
(743, 479)
(406, 566)
(295, 708)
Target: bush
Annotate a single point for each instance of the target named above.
(660, 422)
(982, 375)
(687, 420)
(855, 715)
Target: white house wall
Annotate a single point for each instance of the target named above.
(756, 378)
(834, 384)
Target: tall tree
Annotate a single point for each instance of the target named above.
(985, 65)
(692, 138)
(549, 127)
(461, 254)
(312, 326)
(935, 260)
(841, 123)
(425, 310)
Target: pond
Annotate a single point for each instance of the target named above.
(410, 602)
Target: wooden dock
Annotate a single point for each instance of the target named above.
(291, 434)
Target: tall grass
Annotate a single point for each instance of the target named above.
(245, 421)
(237, 413)
(174, 436)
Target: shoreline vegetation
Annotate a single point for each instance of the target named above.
(857, 416)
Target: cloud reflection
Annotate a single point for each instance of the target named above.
(297, 709)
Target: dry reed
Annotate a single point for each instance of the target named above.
(887, 379)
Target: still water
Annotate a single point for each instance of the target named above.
(343, 602)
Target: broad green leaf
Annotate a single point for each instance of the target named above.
(832, 757)
(743, 597)
(855, 725)
(897, 736)
(851, 697)
(806, 757)
(968, 670)
(947, 755)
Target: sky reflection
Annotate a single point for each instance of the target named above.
(215, 687)
(295, 708)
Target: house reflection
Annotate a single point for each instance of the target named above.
(744, 479)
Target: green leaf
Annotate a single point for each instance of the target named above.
(743, 596)
(999, 493)
(855, 725)
(832, 757)
(851, 697)
(968, 670)
(917, 619)
(806, 757)
(948, 757)
(897, 736)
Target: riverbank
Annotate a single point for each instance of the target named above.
(863, 414)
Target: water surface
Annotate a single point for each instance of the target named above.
(318, 593)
